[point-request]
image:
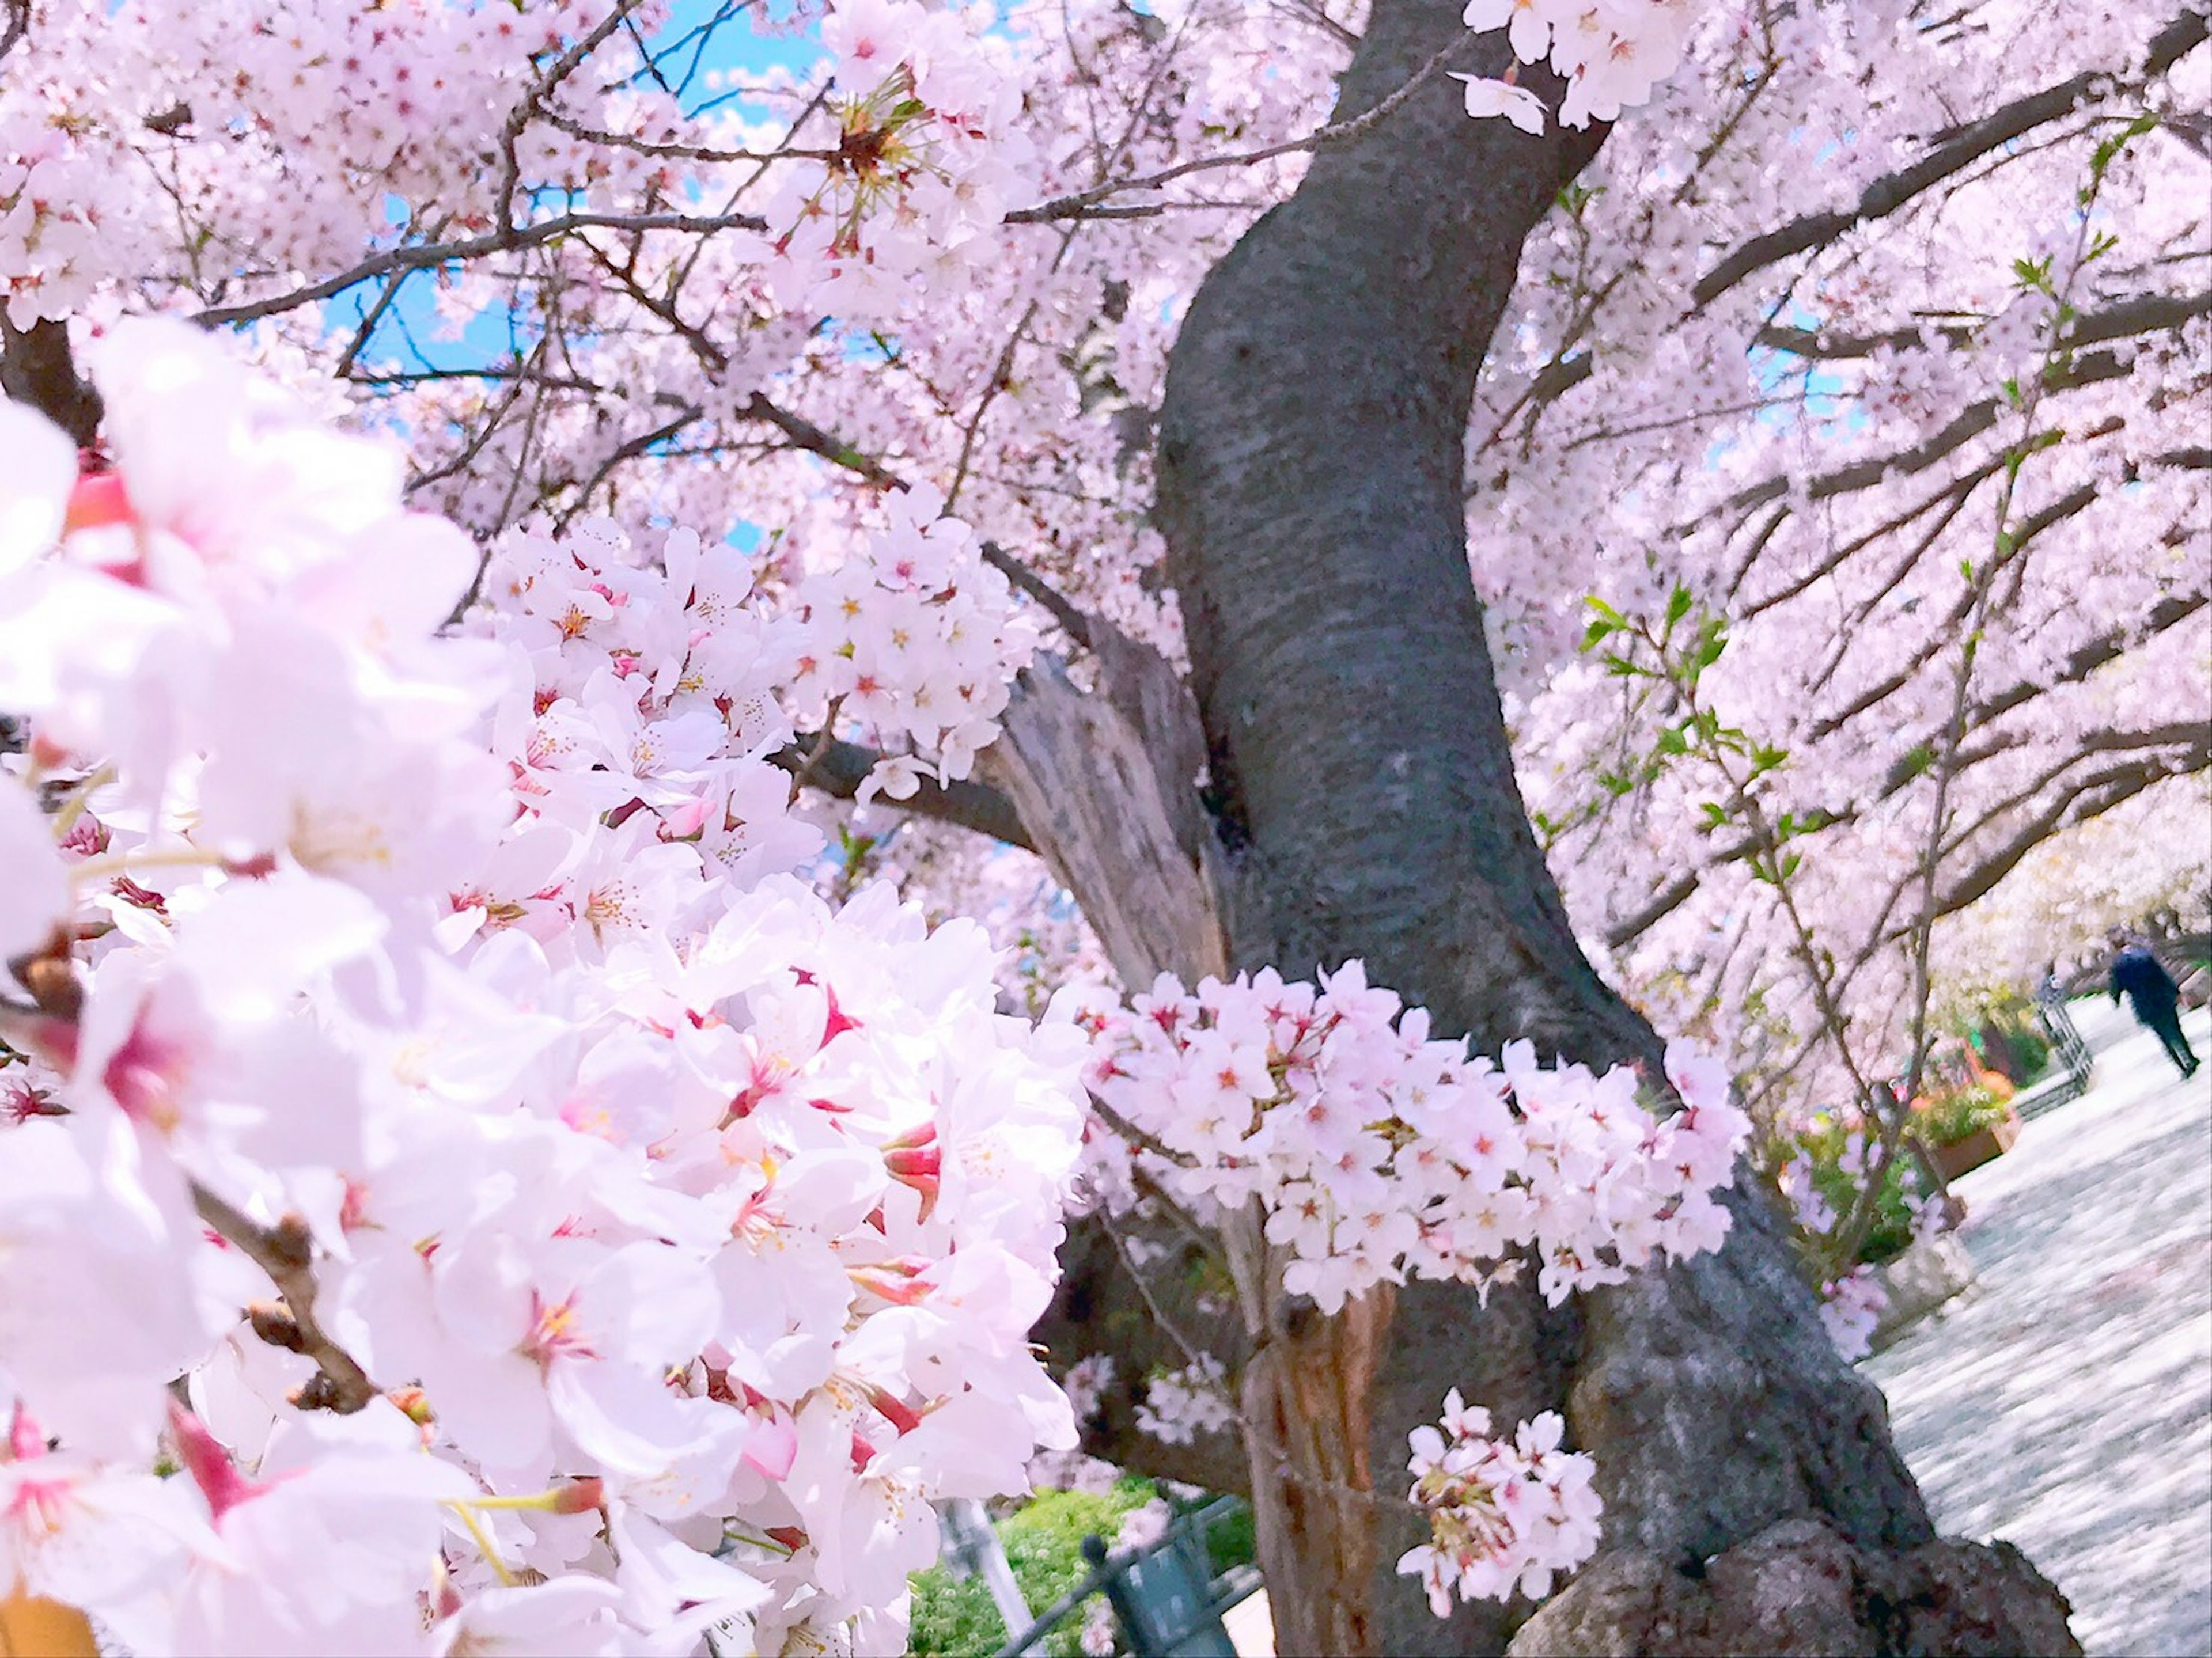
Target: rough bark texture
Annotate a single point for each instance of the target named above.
(1310, 464)
(1800, 1588)
(1107, 786)
(1305, 1397)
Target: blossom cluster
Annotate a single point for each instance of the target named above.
(924, 165)
(412, 97)
(1503, 1514)
(1850, 1306)
(650, 705)
(434, 1123)
(1610, 56)
(912, 641)
(1378, 1154)
(1182, 1404)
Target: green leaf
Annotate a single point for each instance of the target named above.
(1713, 640)
(1678, 604)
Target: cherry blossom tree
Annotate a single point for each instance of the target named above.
(1648, 515)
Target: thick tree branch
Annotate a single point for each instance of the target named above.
(2145, 313)
(2084, 659)
(18, 16)
(838, 768)
(2090, 796)
(1962, 429)
(37, 369)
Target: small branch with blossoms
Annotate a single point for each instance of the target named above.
(1338, 1150)
(1505, 1515)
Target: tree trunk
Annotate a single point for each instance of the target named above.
(1311, 461)
(1305, 1396)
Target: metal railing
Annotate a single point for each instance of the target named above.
(2068, 1048)
(1166, 1596)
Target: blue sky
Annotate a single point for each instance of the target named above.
(409, 331)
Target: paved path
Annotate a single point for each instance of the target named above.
(2065, 1401)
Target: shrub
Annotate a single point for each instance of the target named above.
(1043, 1541)
(1823, 1146)
(1953, 1117)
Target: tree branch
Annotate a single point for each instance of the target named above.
(839, 769)
(2090, 796)
(286, 1251)
(18, 13)
(1962, 429)
(423, 256)
(2145, 313)
(1073, 622)
(1893, 191)
(36, 369)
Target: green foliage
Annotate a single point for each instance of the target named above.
(1043, 1541)
(1233, 1542)
(2032, 1048)
(1957, 1116)
(1892, 1232)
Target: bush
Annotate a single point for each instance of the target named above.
(1043, 1541)
(1953, 1117)
(2033, 1049)
(2014, 1049)
(1892, 1232)
(1232, 1542)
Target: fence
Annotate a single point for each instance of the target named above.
(1167, 1598)
(2066, 1049)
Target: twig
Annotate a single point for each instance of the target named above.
(1077, 204)
(286, 1251)
(1137, 1137)
(1073, 622)
(424, 256)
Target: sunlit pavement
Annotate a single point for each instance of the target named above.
(2064, 1402)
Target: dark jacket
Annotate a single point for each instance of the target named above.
(2137, 972)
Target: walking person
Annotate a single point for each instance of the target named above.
(2150, 990)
